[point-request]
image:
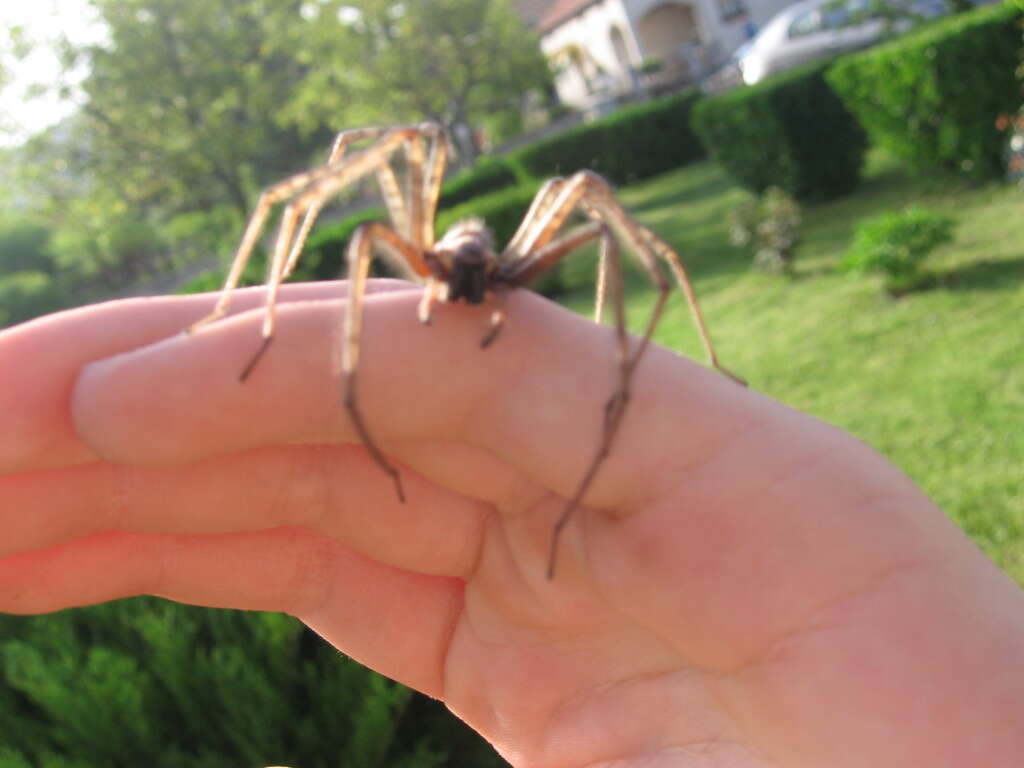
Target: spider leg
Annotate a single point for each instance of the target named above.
(537, 250)
(591, 192)
(360, 252)
(539, 206)
(327, 181)
(616, 405)
(497, 319)
(609, 285)
(334, 174)
(433, 292)
(341, 142)
(436, 162)
(389, 186)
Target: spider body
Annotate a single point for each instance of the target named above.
(463, 265)
(465, 261)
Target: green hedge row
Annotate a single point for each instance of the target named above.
(933, 97)
(632, 143)
(489, 175)
(791, 131)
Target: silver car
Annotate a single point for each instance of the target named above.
(818, 29)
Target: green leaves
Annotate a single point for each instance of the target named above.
(933, 97)
(895, 244)
(459, 62)
(149, 682)
(790, 131)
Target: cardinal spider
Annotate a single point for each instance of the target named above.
(462, 264)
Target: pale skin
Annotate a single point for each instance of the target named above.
(745, 587)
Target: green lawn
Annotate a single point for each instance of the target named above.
(935, 381)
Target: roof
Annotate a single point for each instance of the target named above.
(562, 10)
(531, 11)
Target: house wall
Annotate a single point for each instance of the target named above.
(595, 63)
(603, 66)
(720, 25)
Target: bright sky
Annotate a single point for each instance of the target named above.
(43, 21)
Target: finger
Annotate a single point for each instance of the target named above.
(389, 619)
(535, 399)
(331, 489)
(40, 360)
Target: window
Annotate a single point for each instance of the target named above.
(806, 24)
(730, 9)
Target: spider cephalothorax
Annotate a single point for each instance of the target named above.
(465, 261)
(463, 265)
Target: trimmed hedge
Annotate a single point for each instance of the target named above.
(502, 210)
(323, 257)
(632, 143)
(489, 175)
(933, 97)
(791, 131)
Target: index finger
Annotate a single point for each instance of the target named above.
(41, 359)
(534, 398)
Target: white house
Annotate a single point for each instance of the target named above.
(606, 49)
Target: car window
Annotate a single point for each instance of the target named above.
(806, 23)
(835, 15)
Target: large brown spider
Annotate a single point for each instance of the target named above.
(461, 265)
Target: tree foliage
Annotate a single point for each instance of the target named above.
(188, 108)
(181, 104)
(462, 63)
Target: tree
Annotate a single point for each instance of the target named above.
(181, 107)
(15, 45)
(189, 108)
(461, 63)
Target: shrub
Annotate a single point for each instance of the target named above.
(27, 294)
(489, 175)
(933, 97)
(502, 211)
(895, 244)
(25, 246)
(771, 225)
(632, 143)
(148, 682)
(790, 131)
(323, 257)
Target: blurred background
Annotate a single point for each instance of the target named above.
(842, 178)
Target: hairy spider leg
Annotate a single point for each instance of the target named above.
(539, 207)
(360, 253)
(337, 151)
(406, 242)
(609, 284)
(270, 197)
(553, 206)
(310, 200)
(326, 181)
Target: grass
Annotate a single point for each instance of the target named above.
(934, 381)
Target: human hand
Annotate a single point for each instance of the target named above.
(746, 586)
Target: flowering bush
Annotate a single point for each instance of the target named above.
(1014, 149)
(771, 225)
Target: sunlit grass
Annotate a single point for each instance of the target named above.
(935, 380)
